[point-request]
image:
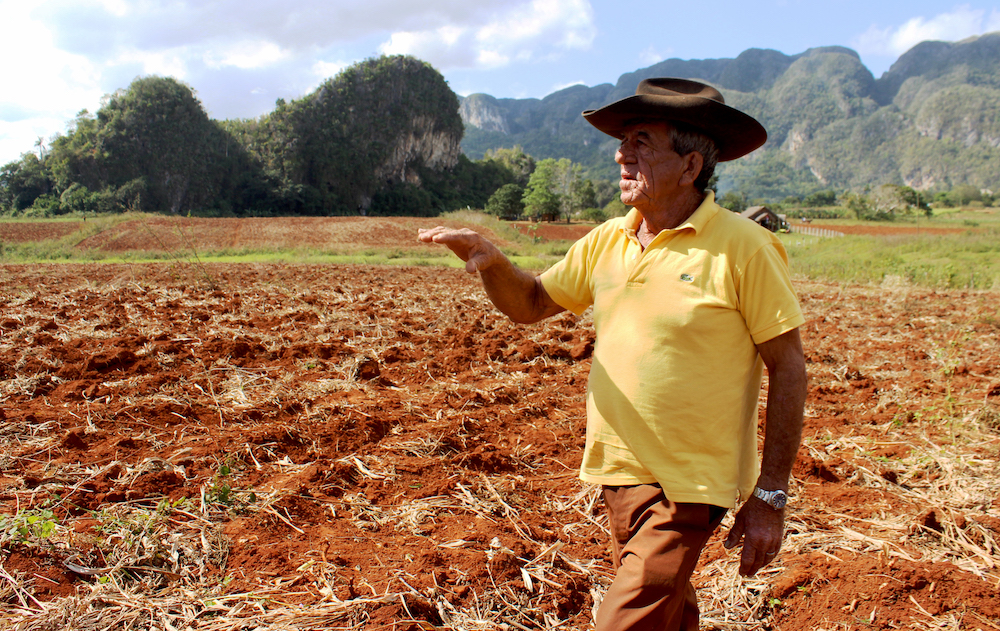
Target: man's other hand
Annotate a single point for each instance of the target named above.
(478, 253)
(761, 528)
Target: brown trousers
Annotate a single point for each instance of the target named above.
(655, 544)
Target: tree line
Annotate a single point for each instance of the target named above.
(380, 138)
(887, 202)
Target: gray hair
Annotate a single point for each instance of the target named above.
(686, 139)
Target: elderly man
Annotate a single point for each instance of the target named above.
(690, 302)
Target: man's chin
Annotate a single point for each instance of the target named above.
(629, 198)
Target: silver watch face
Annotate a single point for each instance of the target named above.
(779, 499)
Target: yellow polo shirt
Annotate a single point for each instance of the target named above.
(672, 395)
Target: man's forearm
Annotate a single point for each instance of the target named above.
(786, 397)
(782, 432)
(517, 293)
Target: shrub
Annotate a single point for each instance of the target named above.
(44, 206)
(615, 208)
(593, 214)
(820, 198)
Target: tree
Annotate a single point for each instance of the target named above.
(615, 208)
(22, 182)
(891, 200)
(734, 201)
(605, 191)
(540, 199)
(963, 194)
(566, 183)
(595, 215)
(506, 202)
(859, 205)
(820, 198)
(573, 192)
(515, 160)
(585, 196)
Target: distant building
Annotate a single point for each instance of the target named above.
(767, 218)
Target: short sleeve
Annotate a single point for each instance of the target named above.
(767, 299)
(568, 282)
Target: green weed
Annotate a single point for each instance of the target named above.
(28, 526)
(220, 491)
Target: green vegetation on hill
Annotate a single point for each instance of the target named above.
(150, 147)
(931, 122)
(387, 136)
(381, 138)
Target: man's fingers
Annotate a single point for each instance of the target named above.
(747, 560)
(735, 534)
(461, 242)
(457, 240)
(752, 560)
(427, 234)
(468, 245)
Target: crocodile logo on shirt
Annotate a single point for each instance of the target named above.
(687, 278)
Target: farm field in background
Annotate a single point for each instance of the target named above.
(196, 444)
(957, 249)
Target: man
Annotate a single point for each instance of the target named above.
(690, 303)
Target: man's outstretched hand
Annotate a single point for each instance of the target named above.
(478, 253)
(519, 294)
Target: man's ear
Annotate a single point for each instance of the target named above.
(692, 168)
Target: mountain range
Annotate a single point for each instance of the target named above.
(931, 122)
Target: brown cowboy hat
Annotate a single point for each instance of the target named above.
(695, 104)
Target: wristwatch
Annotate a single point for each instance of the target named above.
(774, 499)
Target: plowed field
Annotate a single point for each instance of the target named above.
(328, 447)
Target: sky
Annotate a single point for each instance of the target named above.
(64, 56)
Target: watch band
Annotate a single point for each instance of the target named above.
(775, 499)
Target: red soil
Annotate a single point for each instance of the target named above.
(355, 394)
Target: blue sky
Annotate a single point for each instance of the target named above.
(62, 56)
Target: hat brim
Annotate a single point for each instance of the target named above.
(735, 133)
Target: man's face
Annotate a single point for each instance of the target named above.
(651, 170)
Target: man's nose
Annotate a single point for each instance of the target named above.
(625, 154)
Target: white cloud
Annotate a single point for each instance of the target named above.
(562, 86)
(304, 25)
(36, 75)
(650, 55)
(248, 55)
(19, 137)
(166, 63)
(326, 69)
(522, 32)
(993, 23)
(963, 22)
(241, 55)
(492, 59)
(117, 8)
(44, 87)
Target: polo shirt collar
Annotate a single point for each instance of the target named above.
(697, 221)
